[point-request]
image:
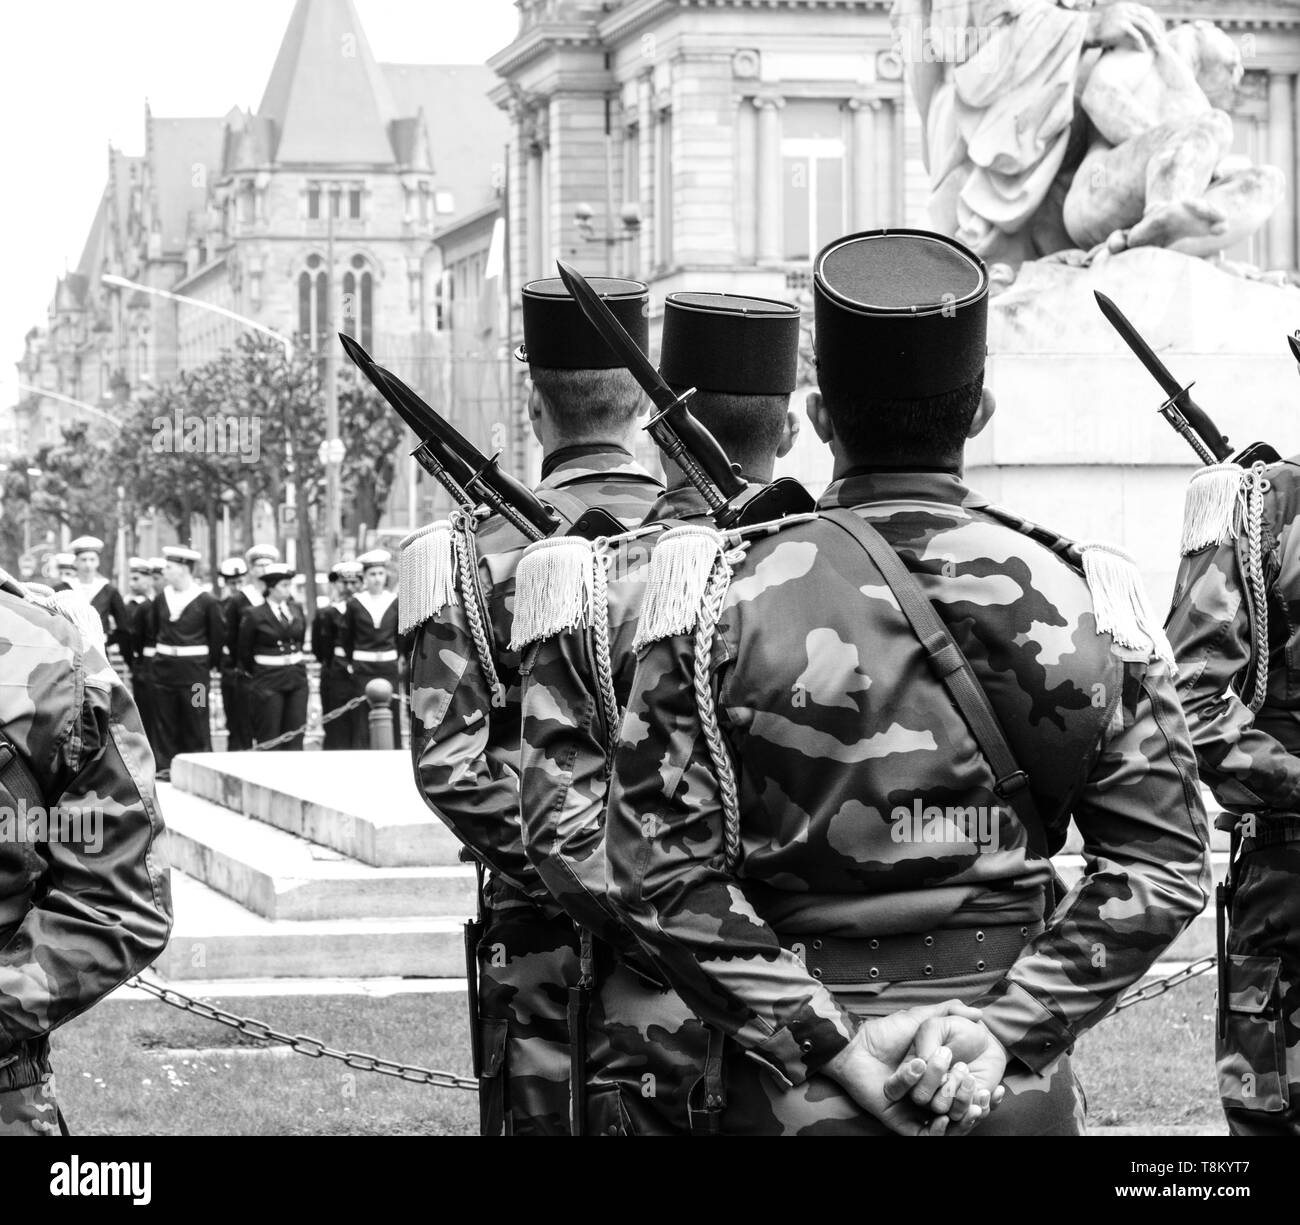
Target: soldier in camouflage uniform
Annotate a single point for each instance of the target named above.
(85, 903)
(806, 828)
(648, 1051)
(1232, 626)
(465, 737)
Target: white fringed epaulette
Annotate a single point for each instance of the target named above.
(680, 568)
(555, 590)
(679, 573)
(1214, 507)
(1119, 601)
(426, 574)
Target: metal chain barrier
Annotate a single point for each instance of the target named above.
(313, 1048)
(1151, 990)
(337, 713)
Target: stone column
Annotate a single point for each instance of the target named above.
(862, 157)
(1282, 153)
(747, 184)
(883, 116)
(769, 177)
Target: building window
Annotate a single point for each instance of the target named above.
(313, 201)
(246, 203)
(354, 203)
(426, 204)
(359, 301)
(812, 169)
(312, 306)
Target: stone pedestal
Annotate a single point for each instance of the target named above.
(1077, 441)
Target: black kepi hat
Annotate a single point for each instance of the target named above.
(558, 335)
(900, 314)
(730, 343)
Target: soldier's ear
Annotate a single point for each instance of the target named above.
(987, 407)
(820, 417)
(789, 433)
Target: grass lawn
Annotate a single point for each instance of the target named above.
(128, 1068)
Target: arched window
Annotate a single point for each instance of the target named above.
(358, 315)
(311, 302)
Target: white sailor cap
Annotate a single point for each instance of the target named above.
(178, 552)
(376, 557)
(156, 564)
(64, 561)
(233, 567)
(139, 565)
(86, 544)
(262, 552)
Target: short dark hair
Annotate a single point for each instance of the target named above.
(589, 402)
(748, 428)
(928, 428)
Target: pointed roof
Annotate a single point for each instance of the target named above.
(466, 133)
(327, 100)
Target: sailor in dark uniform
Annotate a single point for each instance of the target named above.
(138, 606)
(232, 571)
(238, 717)
(103, 597)
(369, 640)
(187, 634)
(270, 653)
(65, 566)
(336, 685)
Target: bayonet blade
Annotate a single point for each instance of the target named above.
(1141, 350)
(614, 334)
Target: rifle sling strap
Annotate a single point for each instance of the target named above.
(953, 668)
(16, 776)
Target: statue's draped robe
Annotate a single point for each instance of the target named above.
(995, 84)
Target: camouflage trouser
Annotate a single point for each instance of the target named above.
(757, 1104)
(30, 1111)
(1259, 1058)
(647, 1054)
(528, 960)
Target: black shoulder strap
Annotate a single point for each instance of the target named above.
(953, 668)
(16, 775)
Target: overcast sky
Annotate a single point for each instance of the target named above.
(77, 73)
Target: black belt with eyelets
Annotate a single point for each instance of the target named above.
(949, 953)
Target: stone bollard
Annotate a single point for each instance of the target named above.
(379, 693)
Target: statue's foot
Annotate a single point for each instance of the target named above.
(1117, 242)
(1167, 223)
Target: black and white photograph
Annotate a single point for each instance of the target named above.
(649, 568)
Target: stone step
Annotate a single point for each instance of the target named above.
(216, 938)
(281, 876)
(363, 804)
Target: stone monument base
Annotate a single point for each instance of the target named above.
(1077, 441)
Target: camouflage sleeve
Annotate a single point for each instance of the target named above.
(104, 911)
(1209, 628)
(1146, 876)
(664, 848)
(451, 708)
(563, 783)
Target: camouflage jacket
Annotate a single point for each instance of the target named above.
(464, 738)
(1250, 761)
(866, 808)
(84, 896)
(563, 756)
